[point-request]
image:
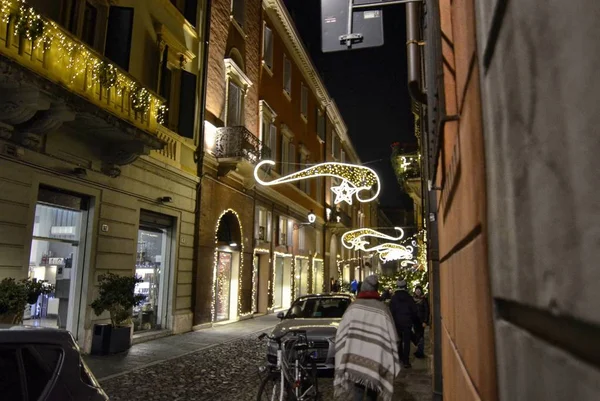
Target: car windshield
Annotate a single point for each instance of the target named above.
(309, 308)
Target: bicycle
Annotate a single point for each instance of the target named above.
(290, 375)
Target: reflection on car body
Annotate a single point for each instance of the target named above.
(320, 316)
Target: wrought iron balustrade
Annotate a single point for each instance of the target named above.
(238, 142)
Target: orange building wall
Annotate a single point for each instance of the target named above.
(469, 371)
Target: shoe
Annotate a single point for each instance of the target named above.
(407, 366)
(420, 355)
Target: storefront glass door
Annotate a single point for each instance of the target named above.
(223, 284)
(301, 276)
(57, 233)
(151, 266)
(278, 284)
(318, 277)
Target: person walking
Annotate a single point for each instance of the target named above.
(423, 312)
(366, 357)
(354, 286)
(405, 314)
(387, 294)
(332, 285)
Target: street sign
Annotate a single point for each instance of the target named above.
(339, 32)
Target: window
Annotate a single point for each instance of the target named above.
(292, 158)
(287, 76)
(342, 156)
(335, 144)
(237, 12)
(320, 125)
(237, 85)
(267, 47)
(304, 185)
(319, 192)
(319, 239)
(234, 105)
(90, 16)
(304, 101)
(283, 231)
(302, 239)
(310, 308)
(10, 381)
(285, 148)
(268, 130)
(262, 222)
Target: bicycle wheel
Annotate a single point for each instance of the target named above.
(270, 389)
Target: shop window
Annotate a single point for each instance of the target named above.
(154, 268)
(59, 227)
(278, 282)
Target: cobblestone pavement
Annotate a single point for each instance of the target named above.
(228, 372)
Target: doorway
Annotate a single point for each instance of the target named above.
(153, 266)
(223, 283)
(57, 250)
(301, 276)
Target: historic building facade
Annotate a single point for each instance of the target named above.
(97, 146)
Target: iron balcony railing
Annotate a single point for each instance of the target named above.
(238, 142)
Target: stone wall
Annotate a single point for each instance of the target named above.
(539, 77)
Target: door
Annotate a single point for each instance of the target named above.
(256, 264)
(278, 281)
(57, 249)
(223, 286)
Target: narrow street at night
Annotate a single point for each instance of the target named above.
(218, 364)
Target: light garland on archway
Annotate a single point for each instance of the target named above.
(355, 239)
(216, 263)
(355, 179)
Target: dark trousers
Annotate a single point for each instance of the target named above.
(420, 332)
(404, 344)
(364, 394)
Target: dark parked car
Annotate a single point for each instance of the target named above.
(320, 316)
(43, 364)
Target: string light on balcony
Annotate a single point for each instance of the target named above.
(355, 239)
(355, 179)
(73, 58)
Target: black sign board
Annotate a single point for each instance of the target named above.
(365, 30)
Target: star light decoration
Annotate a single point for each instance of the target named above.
(355, 179)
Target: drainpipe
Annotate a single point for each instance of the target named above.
(413, 53)
(199, 155)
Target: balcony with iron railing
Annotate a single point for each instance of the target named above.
(240, 144)
(49, 77)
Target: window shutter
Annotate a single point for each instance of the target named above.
(292, 158)
(187, 104)
(287, 75)
(321, 125)
(118, 35)
(164, 70)
(190, 11)
(268, 46)
(233, 105)
(304, 101)
(269, 226)
(273, 144)
(238, 12)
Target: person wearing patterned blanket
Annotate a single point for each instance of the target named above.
(366, 354)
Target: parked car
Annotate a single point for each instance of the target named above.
(320, 316)
(44, 364)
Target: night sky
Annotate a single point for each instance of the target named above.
(369, 87)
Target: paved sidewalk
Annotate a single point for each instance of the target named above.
(166, 348)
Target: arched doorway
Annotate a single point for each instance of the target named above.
(226, 271)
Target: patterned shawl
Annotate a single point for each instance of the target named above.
(366, 349)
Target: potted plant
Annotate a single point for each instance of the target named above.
(117, 296)
(35, 288)
(13, 299)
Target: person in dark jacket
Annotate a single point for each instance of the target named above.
(387, 294)
(405, 314)
(423, 311)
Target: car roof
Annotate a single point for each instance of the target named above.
(10, 333)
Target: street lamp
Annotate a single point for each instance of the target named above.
(312, 217)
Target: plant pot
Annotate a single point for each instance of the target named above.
(8, 318)
(107, 339)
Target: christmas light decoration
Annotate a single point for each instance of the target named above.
(355, 239)
(390, 251)
(355, 179)
(71, 62)
(216, 262)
